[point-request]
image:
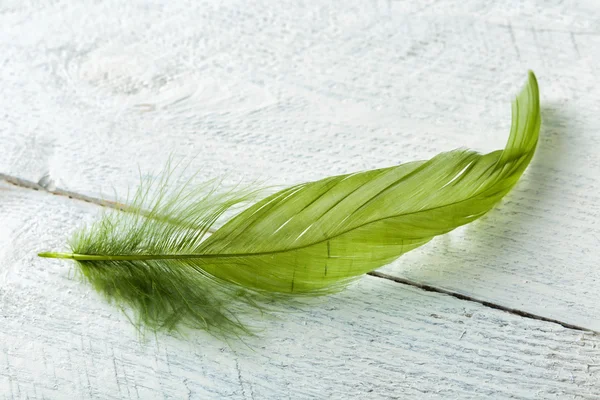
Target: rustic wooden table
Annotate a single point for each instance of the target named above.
(286, 92)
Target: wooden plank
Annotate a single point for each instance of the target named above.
(376, 340)
(253, 94)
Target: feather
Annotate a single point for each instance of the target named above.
(309, 239)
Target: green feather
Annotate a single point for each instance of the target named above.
(312, 238)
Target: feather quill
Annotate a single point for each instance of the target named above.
(309, 239)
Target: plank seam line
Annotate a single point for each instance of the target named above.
(23, 183)
(485, 303)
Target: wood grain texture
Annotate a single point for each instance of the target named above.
(376, 340)
(286, 92)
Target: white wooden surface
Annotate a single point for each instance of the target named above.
(378, 339)
(287, 91)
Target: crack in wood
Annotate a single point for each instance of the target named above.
(23, 183)
(485, 303)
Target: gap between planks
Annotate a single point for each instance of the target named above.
(23, 183)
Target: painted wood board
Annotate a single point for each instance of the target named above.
(376, 340)
(287, 92)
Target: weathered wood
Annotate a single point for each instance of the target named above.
(285, 92)
(378, 339)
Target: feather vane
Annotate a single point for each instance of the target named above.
(308, 239)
